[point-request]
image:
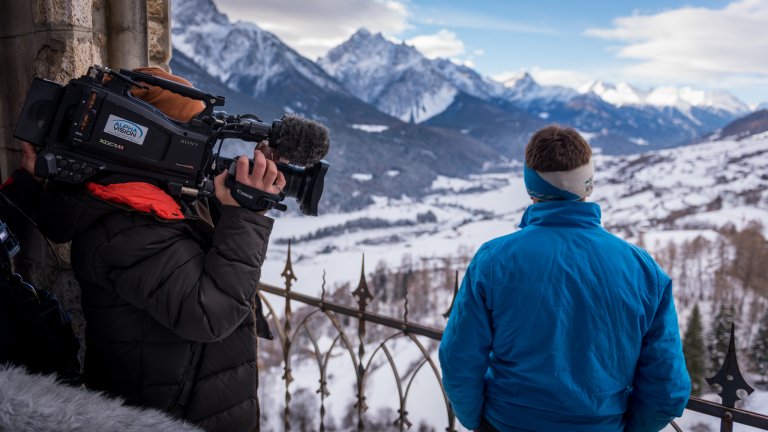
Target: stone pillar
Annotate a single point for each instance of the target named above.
(159, 33)
(127, 34)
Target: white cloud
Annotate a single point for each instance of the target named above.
(313, 27)
(467, 17)
(443, 44)
(695, 43)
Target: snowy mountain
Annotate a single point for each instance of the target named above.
(402, 82)
(399, 80)
(255, 63)
(683, 99)
(524, 89)
(240, 54)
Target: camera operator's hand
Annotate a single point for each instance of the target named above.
(265, 177)
(28, 157)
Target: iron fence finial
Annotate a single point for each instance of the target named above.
(288, 273)
(362, 293)
(729, 377)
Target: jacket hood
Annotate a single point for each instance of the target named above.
(562, 213)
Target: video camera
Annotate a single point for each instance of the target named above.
(94, 126)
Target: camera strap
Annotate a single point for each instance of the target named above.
(255, 199)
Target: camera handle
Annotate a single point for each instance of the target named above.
(252, 198)
(255, 199)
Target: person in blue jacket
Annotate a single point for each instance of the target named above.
(562, 326)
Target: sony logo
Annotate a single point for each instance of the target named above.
(190, 142)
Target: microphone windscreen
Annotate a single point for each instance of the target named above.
(303, 142)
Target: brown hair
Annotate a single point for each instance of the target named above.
(556, 148)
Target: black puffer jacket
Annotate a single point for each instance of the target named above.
(168, 305)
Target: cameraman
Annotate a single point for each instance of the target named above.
(169, 289)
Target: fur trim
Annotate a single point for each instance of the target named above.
(40, 403)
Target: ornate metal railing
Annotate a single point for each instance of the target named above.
(289, 326)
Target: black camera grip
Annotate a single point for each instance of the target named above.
(255, 199)
(249, 197)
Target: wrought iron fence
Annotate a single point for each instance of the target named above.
(289, 326)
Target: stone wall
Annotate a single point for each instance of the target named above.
(58, 40)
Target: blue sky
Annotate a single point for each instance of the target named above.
(705, 44)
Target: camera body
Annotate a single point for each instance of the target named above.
(89, 127)
(94, 126)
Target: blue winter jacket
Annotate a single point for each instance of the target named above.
(563, 326)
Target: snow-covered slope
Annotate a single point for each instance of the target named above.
(705, 185)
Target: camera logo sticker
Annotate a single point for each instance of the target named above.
(126, 129)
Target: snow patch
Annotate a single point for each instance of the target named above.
(370, 128)
(362, 177)
(589, 136)
(450, 183)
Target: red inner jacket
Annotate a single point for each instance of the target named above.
(139, 196)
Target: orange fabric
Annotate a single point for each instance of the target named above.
(174, 106)
(143, 197)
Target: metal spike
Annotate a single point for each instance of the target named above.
(288, 273)
(729, 376)
(322, 294)
(405, 304)
(362, 293)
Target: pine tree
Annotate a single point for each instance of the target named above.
(694, 349)
(760, 347)
(719, 335)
